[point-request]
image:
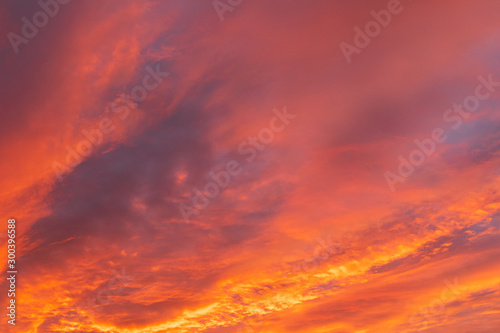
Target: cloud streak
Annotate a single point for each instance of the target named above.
(107, 249)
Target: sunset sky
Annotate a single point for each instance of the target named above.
(312, 166)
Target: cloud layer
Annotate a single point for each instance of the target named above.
(103, 244)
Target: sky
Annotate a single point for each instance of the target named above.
(251, 166)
